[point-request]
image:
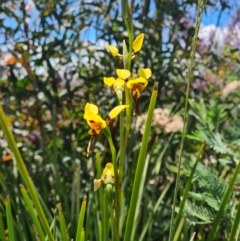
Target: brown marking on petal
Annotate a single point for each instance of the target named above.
(136, 110)
(108, 120)
(105, 176)
(94, 132)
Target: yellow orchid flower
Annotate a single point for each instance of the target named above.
(95, 121)
(114, 84)
(117, 84)
(108, 174)
(107, 177)
(137, 45)
(137, 85)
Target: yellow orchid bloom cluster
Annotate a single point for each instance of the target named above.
(107, 177)
(95, 121)
(124, 77)
(137, 45)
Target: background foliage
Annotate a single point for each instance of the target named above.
(53, 62)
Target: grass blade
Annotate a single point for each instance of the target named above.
(81, 218)
(9, 219)
(29, 207)
(63, 227)
(235, 225)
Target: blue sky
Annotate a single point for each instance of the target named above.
(211, 16)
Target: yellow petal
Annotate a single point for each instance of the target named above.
(113, 50)
(139, 83)
(96, 123)
(137, 44)
(109, 81)
(108, 174)
(96, 184)
(145, 73)
(119, 83)
(123, 73)
(116, 110)
(91, 108)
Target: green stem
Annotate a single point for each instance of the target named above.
(128, 20)
(129, 102)
(62, 222)
(105, 217)
(32, 212)
(107, 133)
(189, 78)
(24, 173)
(9, 219)
(127, 59)
(235, 225)
(121, 169)
(81, 218)
(110, 207)
(140, 167)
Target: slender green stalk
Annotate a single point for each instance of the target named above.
(24, 173)
(9, 219)
(100, 190)
(107, 133)
(121, 168)
(143, 179)
(110, 207)
(105, 218)
(129, 101)
(100, 231)
(29, 206)
(189, 78)
(63, 227)
(127, 58)
(128, 20)
(179, 229)
(140, 167)
(224, 202)
(235, 225)
(81, 218)
(82, 235)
